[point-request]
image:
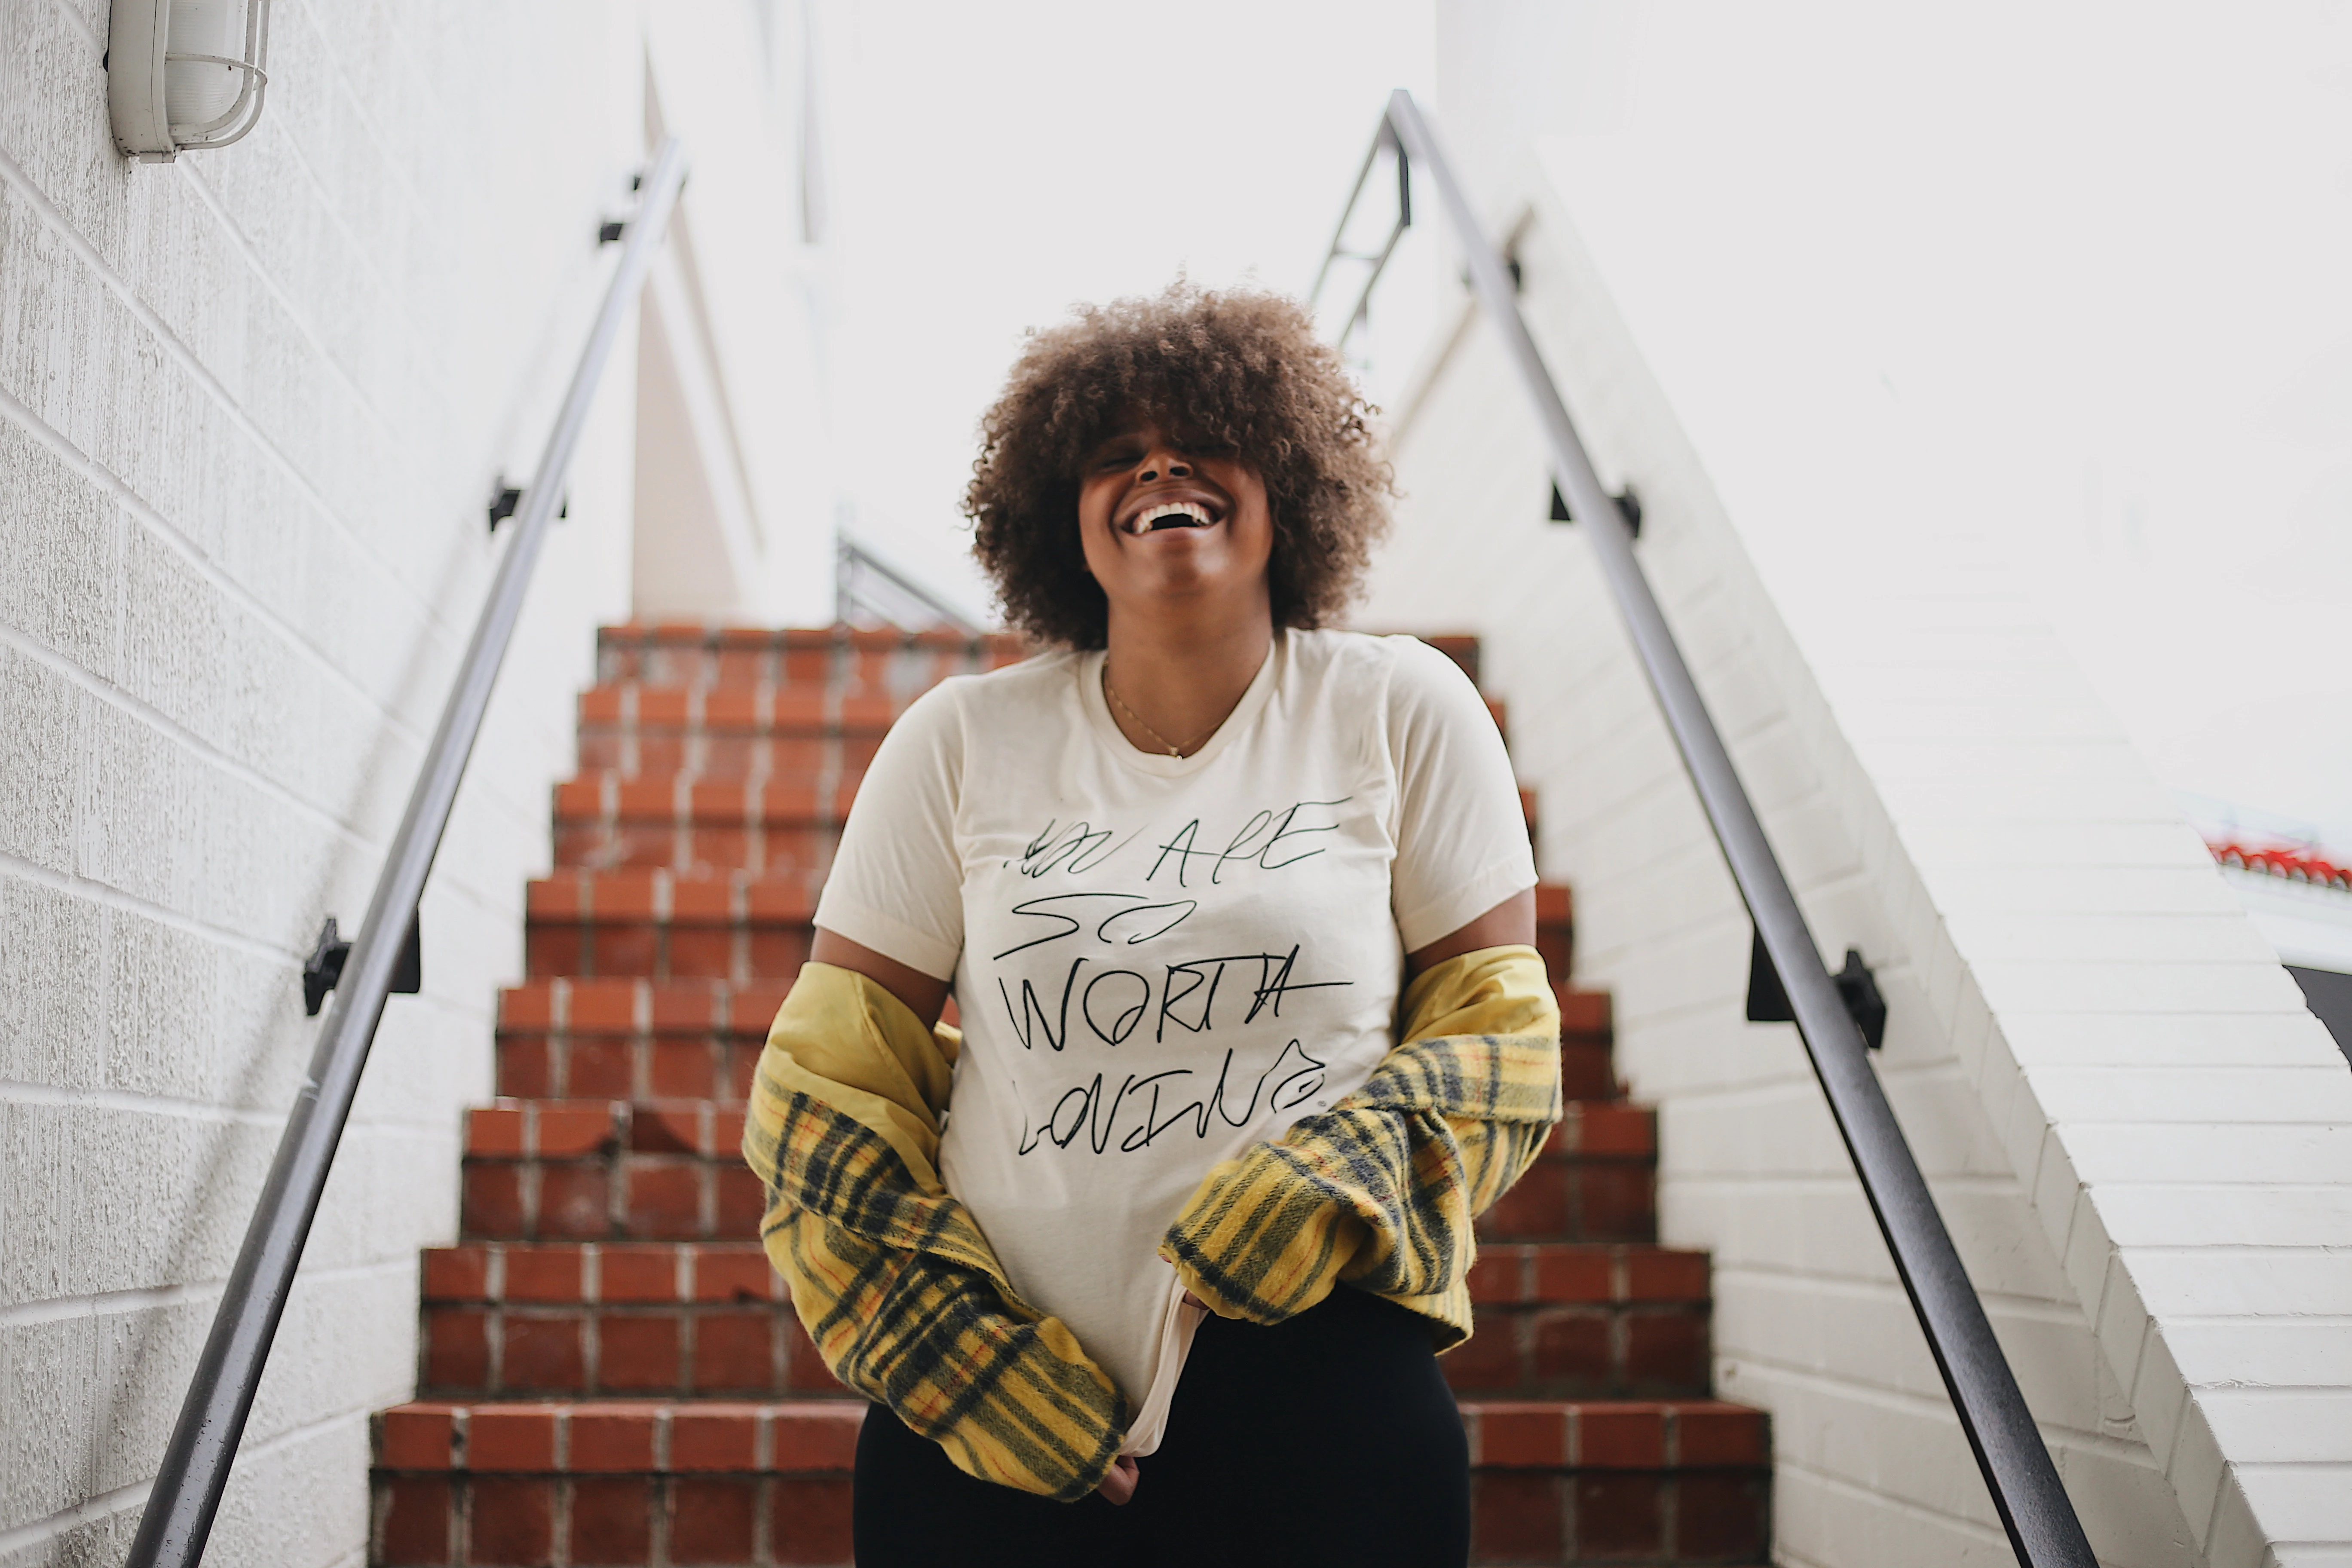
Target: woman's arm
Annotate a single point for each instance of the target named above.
(925, 996)
(896, 1284)
(1511, 923)
(1382, 1190)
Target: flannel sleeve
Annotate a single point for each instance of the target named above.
(898, 1290)
(1382, 1190)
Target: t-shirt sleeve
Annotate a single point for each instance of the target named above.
(896, 883)
(1461, 834)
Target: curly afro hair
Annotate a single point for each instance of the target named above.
(1237, 371)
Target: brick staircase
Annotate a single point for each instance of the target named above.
(611, 1373)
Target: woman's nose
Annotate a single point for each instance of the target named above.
(1161, 461)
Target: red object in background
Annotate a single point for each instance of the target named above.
(2291, 864)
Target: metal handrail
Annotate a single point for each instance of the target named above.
(850, 557)
(187, 1490)
(1379, 260)
(2033, 1507)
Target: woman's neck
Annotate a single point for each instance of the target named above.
(1177, 678)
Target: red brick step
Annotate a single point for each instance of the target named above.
(1593, 1180)
(793, 735)
(1563, 1320)
(848, 662)
(1575, 1321)
(804, 737)
(734, 926)
(766, 1483)
(849, 659)
(1682, 1481)
(688, 821)
(670, 1170)
(633, 1038)
(595, 1169)
(604, 1321)
(754, 1483)
(664, 925)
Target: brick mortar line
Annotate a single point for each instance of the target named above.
(183, 1109)
(1761, 1094)
(97, 892)
(90, 1510)
(1841, 1180)
(2257, 1320)
(1865, 1289)
(2320, 1466)
(80, 886)
(1988, 1533)
(177, 1107)
(2182, 1069)
(1777, 1090)
(2266, 1184)
(11, 174)
(1936, 1404)
(116, 1303)
(2332, 1252)
(1858, 1287)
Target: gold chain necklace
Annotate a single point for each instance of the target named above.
(1174, 751)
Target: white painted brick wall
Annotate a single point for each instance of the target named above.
(2140, 1140)
(251, 405)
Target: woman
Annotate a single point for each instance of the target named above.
(1168, 1284)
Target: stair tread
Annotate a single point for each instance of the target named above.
(784, 712)
(607, 1435)
(608, 1273)
(807, 712)
(691, 795)
(708, 1127)
(1553, 901)
(556, 1274)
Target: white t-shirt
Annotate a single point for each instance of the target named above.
(1158, 961)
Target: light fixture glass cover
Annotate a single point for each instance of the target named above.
(184, 73)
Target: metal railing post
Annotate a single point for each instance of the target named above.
(2026, 1491)
(187, 1490)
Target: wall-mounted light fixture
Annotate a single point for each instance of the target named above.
(183, 74)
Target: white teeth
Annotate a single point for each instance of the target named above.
(1142, 522)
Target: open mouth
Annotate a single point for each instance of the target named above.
(1170, 514)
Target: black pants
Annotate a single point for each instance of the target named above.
(1329, 1438)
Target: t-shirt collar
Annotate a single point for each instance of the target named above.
(1106, 730)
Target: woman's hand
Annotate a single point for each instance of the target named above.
(1119, 1484)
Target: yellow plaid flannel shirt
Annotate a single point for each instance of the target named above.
(907, 1303)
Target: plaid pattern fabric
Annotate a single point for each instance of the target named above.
(1381, 1190)
(908, 1305)
(890, 1275)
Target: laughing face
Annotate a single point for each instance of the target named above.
(1163, 519)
